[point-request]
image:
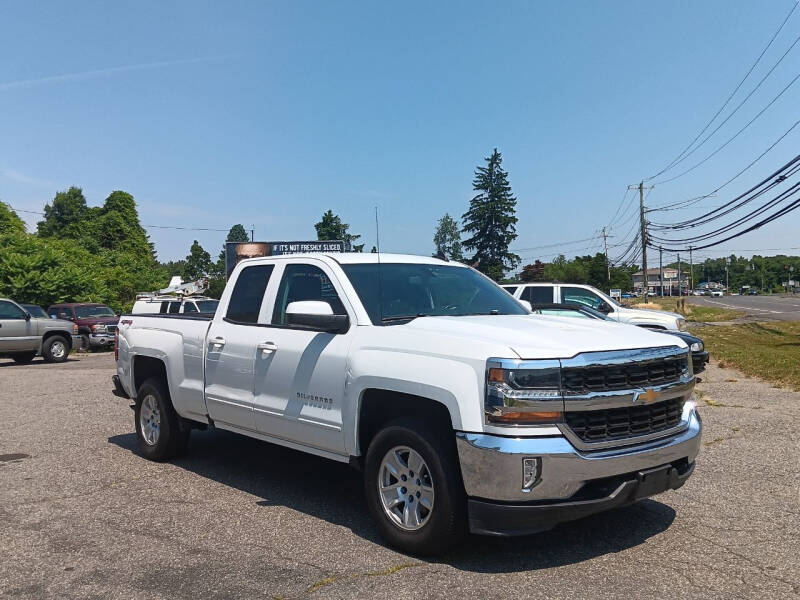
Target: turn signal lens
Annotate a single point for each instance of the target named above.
(526, 417)
(496, 375)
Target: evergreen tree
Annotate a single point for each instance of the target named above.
(330, 227)
(491, 219)
(198, 263)
(216, 283)
(447, 238)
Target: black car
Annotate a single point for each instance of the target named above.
(699, 353)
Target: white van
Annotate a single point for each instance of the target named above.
(576, 293)
(174, 305)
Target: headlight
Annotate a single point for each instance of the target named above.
(98, 328)
(680, 323)
(527, 395)
(697, 347)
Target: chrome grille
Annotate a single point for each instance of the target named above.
(629, 375)
(593, 426)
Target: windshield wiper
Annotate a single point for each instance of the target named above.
(403, 318)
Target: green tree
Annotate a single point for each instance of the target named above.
(216, 282)
(10, 221)
(447, 238)
(198, 263)
(491, 219)
(330, 227)
(63, 218)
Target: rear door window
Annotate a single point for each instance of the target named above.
(538, 294)
(174, 308)
(248, 293)
(189, 307)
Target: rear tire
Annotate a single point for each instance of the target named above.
(435, 491)
(24, 359)
(55, 349)
(160, 433)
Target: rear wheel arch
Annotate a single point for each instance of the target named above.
(147, 367)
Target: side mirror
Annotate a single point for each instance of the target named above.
(316, 315)
(605, 308)
(27, 316)
(528, 306)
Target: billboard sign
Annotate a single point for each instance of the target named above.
(237, 251)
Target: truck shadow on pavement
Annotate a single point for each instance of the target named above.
(332, 492)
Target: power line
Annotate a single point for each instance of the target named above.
(750, 122)
(683, 154)
(774, 179)
(37, 212)
(696, 199)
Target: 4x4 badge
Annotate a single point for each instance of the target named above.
(647, 396)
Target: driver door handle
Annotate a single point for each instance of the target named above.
(267, 348)
(216, 344)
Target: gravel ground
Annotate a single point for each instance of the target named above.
(82, 516)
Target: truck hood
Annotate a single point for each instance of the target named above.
(540, 336)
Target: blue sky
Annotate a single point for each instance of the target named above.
(268, 114)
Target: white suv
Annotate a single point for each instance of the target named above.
(548, 293)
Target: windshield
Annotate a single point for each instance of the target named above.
(206, 306)
(411, 290)
(36, 311)
(88, 312)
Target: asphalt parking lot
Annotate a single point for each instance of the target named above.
(763, 308)
(83, 516)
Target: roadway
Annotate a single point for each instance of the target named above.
(764, 308)
(82, 515)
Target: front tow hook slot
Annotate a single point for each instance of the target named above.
(531, 472)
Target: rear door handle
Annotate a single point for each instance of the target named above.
(267, 348)
(216, 344)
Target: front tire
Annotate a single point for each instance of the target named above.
(413, 486)
(55, 349)
(160, 432)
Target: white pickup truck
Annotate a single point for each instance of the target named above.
(537, 294)
(464, 411)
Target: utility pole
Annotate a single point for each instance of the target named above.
(661, 270)
(253, 233)
(645, 289)
(605, 245)
(680, 292)
(691, 270)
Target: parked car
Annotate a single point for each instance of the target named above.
(26, 332)
(545, 293)
(97, 323)
(174, 305)
(717, 293)
(699, 353)
(463, 411)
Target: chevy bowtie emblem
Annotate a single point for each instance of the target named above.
(647, 396)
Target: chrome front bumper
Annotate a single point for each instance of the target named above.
(492, 466)
(101, 340)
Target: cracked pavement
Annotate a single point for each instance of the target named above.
(83, 516)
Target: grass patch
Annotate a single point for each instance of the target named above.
(770, 351)
(692, 312)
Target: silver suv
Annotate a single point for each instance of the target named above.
(23, 335)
